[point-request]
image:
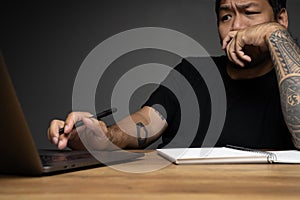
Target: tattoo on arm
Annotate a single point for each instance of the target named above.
(142, 134)
(160, 115)
(285, 56)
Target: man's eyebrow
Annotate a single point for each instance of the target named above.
(224, 8)
(227, 7)
(247, 5)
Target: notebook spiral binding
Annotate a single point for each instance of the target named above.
(271, 157)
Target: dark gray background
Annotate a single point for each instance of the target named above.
(45, 42)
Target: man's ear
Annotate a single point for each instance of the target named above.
(282, 18)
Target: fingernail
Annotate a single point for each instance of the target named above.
(59, 145)
(55, 140)
(66, 127)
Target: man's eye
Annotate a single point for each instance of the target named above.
(225, 18)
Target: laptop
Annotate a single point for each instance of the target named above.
(18, 152)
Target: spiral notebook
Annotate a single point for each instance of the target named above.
(228, 155)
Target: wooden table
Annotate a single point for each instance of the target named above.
(242, 181)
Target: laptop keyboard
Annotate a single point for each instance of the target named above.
(54, 157)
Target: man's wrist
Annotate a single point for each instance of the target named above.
(115, 135)
(273, 27)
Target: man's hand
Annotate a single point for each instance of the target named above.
(93, 133)
(249, 44)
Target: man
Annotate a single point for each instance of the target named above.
(261, 71)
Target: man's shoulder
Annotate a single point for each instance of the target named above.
(207, 64)
(218, 61)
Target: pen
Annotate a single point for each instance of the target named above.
(247, 149)
(270, 156)
(97, 116)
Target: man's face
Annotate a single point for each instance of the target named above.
(235, 15)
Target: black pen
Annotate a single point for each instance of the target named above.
(97, 116)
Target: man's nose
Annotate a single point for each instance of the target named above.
(238, 23)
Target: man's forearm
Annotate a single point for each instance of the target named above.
(138, 130)
(285, 56)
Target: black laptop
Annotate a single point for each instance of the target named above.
(18, 153)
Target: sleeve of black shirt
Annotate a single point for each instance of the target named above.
(164, 100)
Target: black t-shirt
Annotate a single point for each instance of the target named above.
(253, 112)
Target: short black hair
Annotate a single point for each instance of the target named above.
(276, 5)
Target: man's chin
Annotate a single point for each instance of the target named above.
(258, 57)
